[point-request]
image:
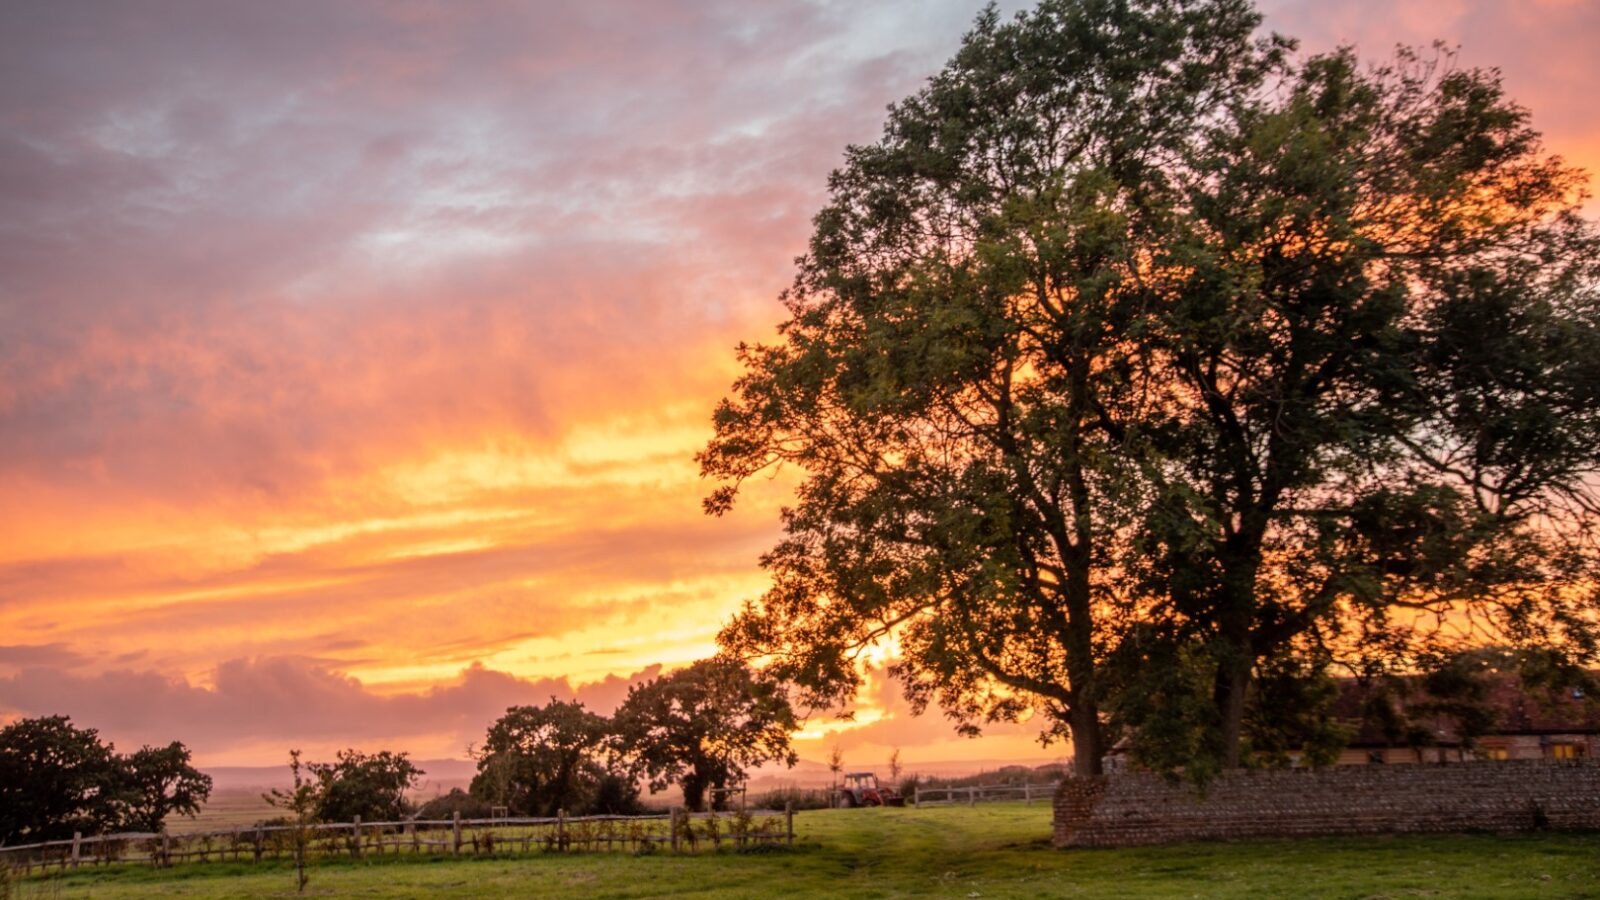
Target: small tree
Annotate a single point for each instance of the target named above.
(895, 767)
(835, 764)
(702, 726)
(301, 802)
(370, 786)
(158, 781)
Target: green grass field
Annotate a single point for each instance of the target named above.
(991, 851)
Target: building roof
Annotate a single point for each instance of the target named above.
(1515, 709)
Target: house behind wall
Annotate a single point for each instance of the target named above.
(1528, 724)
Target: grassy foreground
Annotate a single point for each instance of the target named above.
(991, 851)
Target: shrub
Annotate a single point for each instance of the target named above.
(445, 806)
(800, 798)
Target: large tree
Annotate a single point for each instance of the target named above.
(55, 779)
(1379, 311)
(156, 782)
(702, 726)
(960, 368)
(1134, 363)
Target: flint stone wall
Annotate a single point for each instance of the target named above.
(1139, 808)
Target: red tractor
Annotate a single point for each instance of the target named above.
(862, 789)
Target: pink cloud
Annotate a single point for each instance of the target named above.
(293, 701)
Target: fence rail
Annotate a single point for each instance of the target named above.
(981, 793)
(678, 831)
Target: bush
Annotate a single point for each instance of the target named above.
(445, 806)
(372, 786)
(617, 795)
(800, 798)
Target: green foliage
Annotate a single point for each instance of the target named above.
(1382, 309)
(56, 779)
(1290, 718)
(157, 782)
(538, 760)
(702, 726)
(1144, 374)
(457, 801)
(960, 377)
(301, 801)
(372, 786)
(797, 798)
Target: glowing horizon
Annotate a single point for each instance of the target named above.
(355, 357)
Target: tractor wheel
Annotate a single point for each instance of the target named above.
(847, 800)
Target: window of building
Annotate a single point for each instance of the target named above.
(1565, 751)
(1494, 753)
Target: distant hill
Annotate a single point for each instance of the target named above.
(444, 774)
(449, 772)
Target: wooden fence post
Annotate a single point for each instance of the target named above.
(259, 837)
(788, 820)
(77, 839)
(972, 796)
(672, 827)
(561, 829)
(166, 848)
(1027, 794)
(457, 825)
(355, 843)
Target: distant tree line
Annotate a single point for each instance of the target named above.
(56, 779)
(699, 728)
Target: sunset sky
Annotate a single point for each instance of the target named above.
(353, 356)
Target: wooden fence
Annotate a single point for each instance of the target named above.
(974, 794)
(678, 831)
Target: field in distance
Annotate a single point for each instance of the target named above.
(992, 851)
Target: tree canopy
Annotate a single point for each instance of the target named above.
(56, 778)
(702, 726)
(157, 782)
(539, 760)
(1145, 369)
(370, 785)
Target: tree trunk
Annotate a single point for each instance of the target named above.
(1088, 744)
(1236, 661)
(1077, 560)
(694, 794)
(719, 800)
(1088, 750)
(1232, 684)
